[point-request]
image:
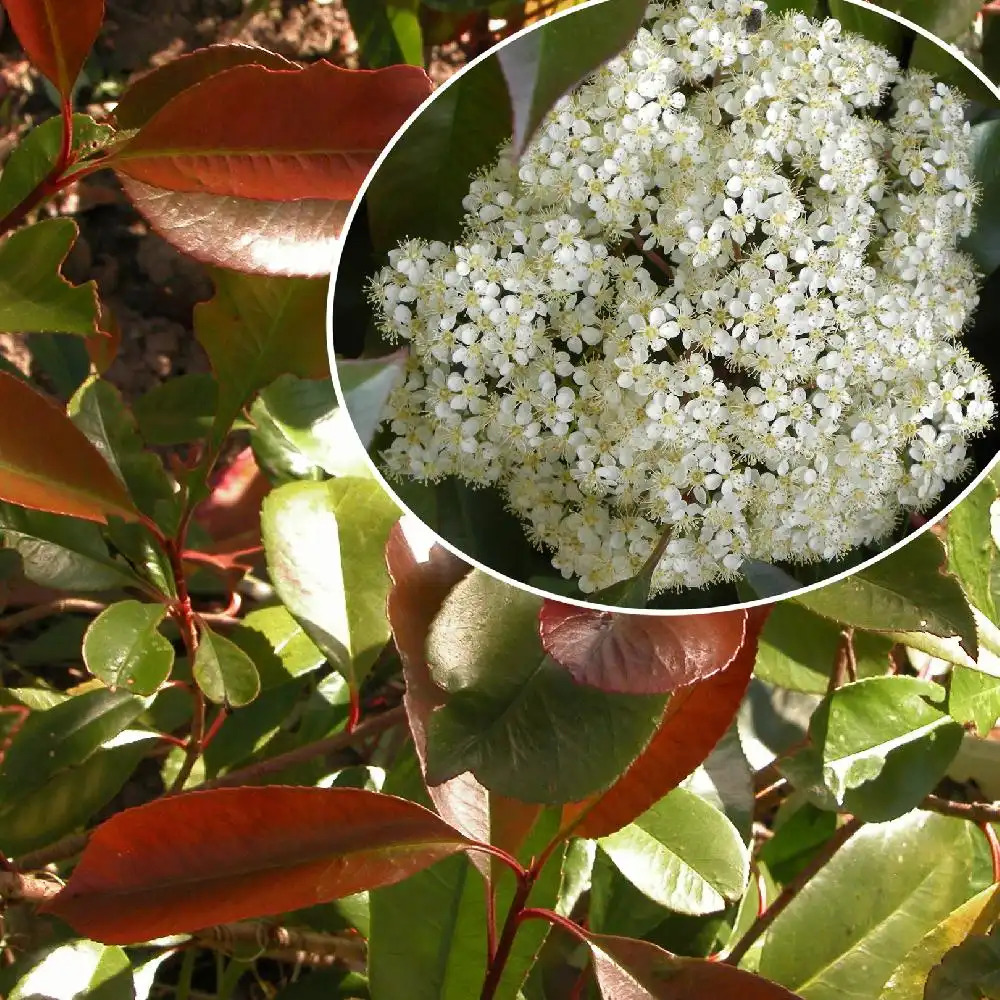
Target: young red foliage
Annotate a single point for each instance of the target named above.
(314, 133)
(627, 969)
(191, 861)
(57, 35)
(46, 463)
(695, 720)
(639, 654)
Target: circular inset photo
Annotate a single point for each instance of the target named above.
(681, 306)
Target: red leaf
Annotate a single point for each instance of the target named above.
(639, 654)
(291, 238)
(696, 718)
(57, 35)
(422, 577)
(313, 133)
(48, 464)
(232, 510)
(627, 969)
(204, 858)
(151, 92)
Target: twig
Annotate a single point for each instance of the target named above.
(64, 848)
(16, 888)
(63, 606)
(975, 812)
(847, 638)
(286, 943)
(247, 775)
(792, 889)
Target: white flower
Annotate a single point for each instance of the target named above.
(718, 299)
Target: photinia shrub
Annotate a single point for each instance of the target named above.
(262, 735)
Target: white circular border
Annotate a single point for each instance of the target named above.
(664, 612)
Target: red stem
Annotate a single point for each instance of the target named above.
(576, 993)
(491, 922)
(495, 971)
(214, 728)
(556, 919)
(354, 717)
(994, 842)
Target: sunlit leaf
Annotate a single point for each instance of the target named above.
(124, 648)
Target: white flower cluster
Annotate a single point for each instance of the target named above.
(716, 303)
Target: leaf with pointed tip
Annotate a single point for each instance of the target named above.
(62, 552)
(972, 554)
(976, 916)
(515, 718)
(545, 63)
(124, 648)
(48, 464)
(639, 654)
(627, 969)
(224, 671)
(34, 296)
(325, 545)
(909, 591)
(874, 900)
(696, 718)
(683, 853)
(57, 35)
(213, 857)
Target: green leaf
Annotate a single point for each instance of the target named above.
(325, 545)
(798, 650)
(257, 328)
(60, 737)
(62, 552)
(542, 65)
(972, 554)
(984, 243)
(366, 386)
(388, 32)
(178, 411)
(855, 920)
(905, 592)
(78, 970)
(798, 833)
(418, 189)
(98, 410)
(515, 718)
(34, 296)
(277, 644)
(971, 971)
(974, 697)
(72, 796)
(33, 158)
(124, 648)
(683, 853)
(910, 977)
(223, 671)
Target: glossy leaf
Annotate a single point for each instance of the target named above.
(178, 411)
(984, 243)
(695, 720)
(515, 718)
(257, 328)
(151, 92)
(325, 552)
(60, 737)
(418, 189)
(78, 969)
(124, 648)
(277, 644)
(253, 235)
(388, 32)
(974, 697)
(683, 853)
(98, 410)
(62, 552)
(970, 971)
(34, 296)
(627, 969)
(217, 856)
(972, 917)
(46, 463)
(550, 60)
(908, 591)
(972, 554)
(875, 899)
(202, 141)
(72, 796)
(639, 654)
(57, 35)
(224, 671)
(366, 386)
(34, 157)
